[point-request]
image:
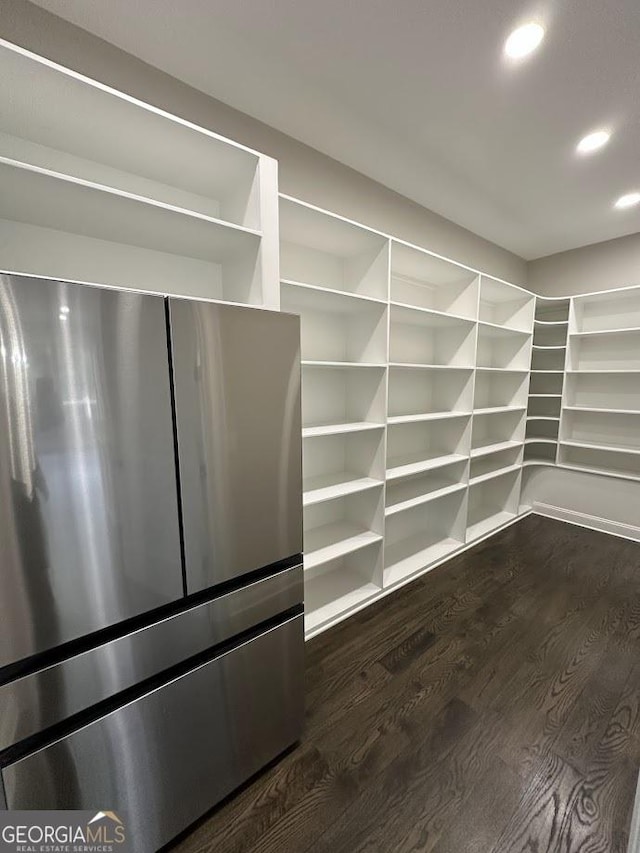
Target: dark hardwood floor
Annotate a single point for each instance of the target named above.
(492, 705)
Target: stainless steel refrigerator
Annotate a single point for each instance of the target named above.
(151, 640)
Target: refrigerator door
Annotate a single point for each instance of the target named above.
(163, 760)
(54, 693)
(237, 388)
(88, 499)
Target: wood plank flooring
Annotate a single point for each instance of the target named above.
(492, 705)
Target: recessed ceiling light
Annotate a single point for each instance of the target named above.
(524, 40)
(629, 200)
(593, 141)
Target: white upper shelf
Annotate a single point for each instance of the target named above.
(69, 123)
(314, 298)
(324, 296)
(52, 200)
(600, 332)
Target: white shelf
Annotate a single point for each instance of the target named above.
(455, 441)
(329, 295)
(428, 395)
(322, 249)
(500, 331)
(608, 312)
(488, 465)
(612, 351)
(503, 348)
(63, 121)
(330, 596)
(546, 383)
(601, 332)
(552, 310)
(609, 448)
(488, 524)
(550, 338)
(619, 393)
(493, 410)
(417, 463)
(342, 395)
(614, 432)
(614, 462)
(331, 486)
(52, 199)
(496, 429)
(548, 359)
(338, 364)
(423, 280)
(402, 365)
(423, 534)
(325, 299)
(428, 416)
(504, 306)
(602, 410)
(336, 327)
(438, 491)
(414, 555)
(407, 313)
(544, 430)
(602, 471)
(490, 475)
(57, 226)
(540, 452)
(499, 370)
(494, 447)
(500, 391)
(337, 429)
(424, 337)
(605, 370)
(331, 541)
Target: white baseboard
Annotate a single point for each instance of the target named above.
(593, 522)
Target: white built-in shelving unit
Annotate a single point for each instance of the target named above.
(505, 331)
(414, 389)
(426, 385)
(335, 276)
(548, 357)
(432, 340)
(96, 186)
(600, 425)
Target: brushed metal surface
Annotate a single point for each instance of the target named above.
(163, 760)
(88, 519)
(237, 386)
(30, 704)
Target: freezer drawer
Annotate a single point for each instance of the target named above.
(163, 760)
(88, 501)
(50, 695)
(237, 388)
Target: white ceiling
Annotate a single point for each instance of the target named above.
(417, 95)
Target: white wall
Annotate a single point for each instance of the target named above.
(304, 172)
(613, 503)
(602, 266)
